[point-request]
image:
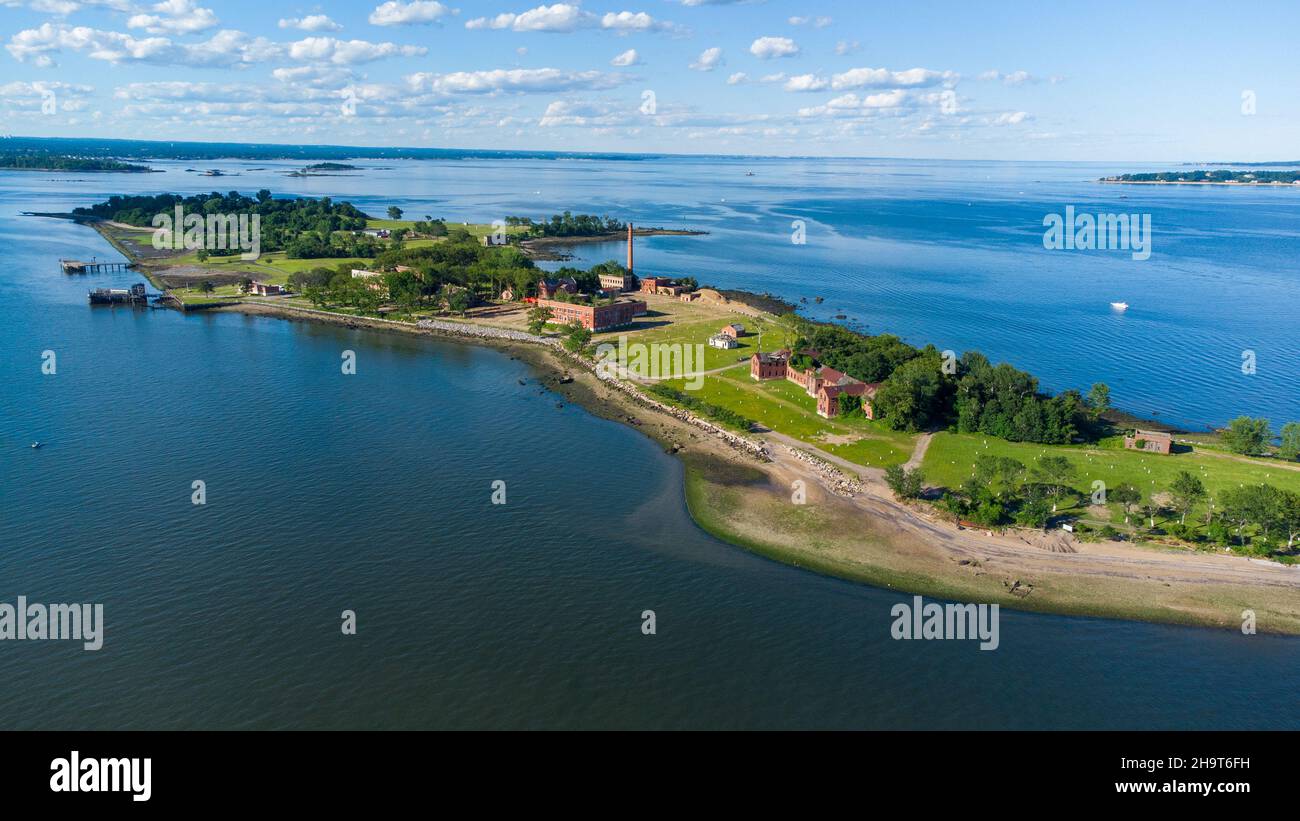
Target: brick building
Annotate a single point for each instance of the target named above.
(828, 396)
(1153, 441)
(769, 365)
(594, 317)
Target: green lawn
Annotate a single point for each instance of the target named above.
(784, 407)
(697, 332)
(950, 458)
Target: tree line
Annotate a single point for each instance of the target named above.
(302, 227)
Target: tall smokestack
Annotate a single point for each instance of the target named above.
(629, 247)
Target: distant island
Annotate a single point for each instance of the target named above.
(1216, 177)
(42, 161)
(321, 169)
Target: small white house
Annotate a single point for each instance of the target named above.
(723, 341)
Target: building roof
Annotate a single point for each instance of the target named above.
(775, 356)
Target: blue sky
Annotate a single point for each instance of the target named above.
(1140, 81)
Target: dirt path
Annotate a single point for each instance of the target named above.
(918, 452)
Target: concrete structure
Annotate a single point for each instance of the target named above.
(361, 273)
(1152, 441)
(617, 282)
(724, 341)
(594, 317)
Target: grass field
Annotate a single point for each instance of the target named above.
(786, 408)
(951, 456)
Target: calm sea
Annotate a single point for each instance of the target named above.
(372, 492)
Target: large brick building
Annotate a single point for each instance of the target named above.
(828, 396)
(825, 384)
(594, 317)
(769, 365)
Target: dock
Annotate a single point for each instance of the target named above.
(76, 266)
(135, 295)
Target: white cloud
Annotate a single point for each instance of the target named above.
(844, 47)
(348, 52)
(1010, 118)
(708, 60)
(819, 22)
(418, 12)
(737, 78)
(627, 58)
(765, 48)
(225, 48)
(312, 22)
(566, 17)
(516, 80)
(1014, 78)
(884, 78)
(174, 17)
(807, 82)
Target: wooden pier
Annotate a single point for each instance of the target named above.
(76, 266)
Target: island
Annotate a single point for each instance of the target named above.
(1208, 177)
(852, 454)
(43, 161)
(323, 169)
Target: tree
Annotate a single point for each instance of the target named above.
(1034, 512)
(1288, 516)
(1290, 448)
(1056, 472)
(1247, 436)
(849, 404)
(1187, 490)
(1098, 401)
(206, 287)
(999, 476)
(538, 316)
(906, 484)
(458, 300)
(201, 255)
(1128, 497)
(577, 337)
(910, 399)
(394, 213)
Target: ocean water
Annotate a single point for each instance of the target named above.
(371, 492)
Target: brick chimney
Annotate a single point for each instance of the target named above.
(629, 247)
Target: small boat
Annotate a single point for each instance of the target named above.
(35, 445)
(749, 173)
(1119, 306)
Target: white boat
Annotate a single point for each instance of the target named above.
(1119, 306)
(36, 445)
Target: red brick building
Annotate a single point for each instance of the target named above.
(594, 317)
(1153, 441)
(769, 365)
(828, 396)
